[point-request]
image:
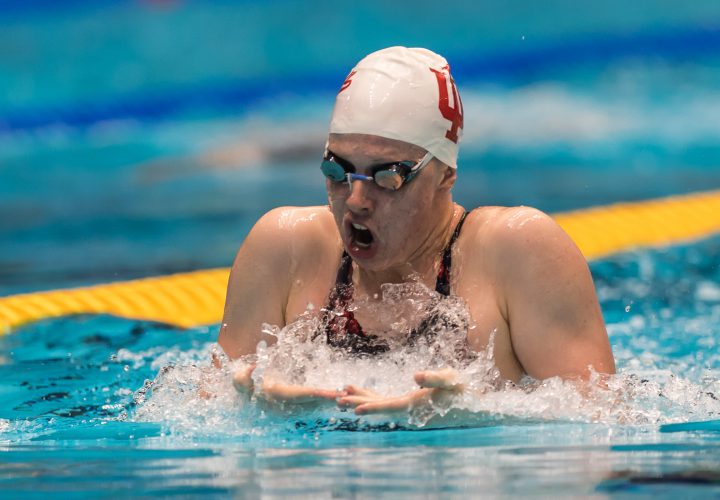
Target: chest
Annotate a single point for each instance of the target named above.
(404, 307)
(392, 318)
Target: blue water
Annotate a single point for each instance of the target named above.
(142, 138)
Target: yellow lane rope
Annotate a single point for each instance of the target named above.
(186, 299)
(196, 298)
(613, 228)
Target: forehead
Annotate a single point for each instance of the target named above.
(372, 147)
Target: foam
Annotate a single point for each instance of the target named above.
(647, 391)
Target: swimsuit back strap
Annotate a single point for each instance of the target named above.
(442, 285)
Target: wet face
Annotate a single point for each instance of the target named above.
(383, 229)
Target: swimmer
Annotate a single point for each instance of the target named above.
(390, 164)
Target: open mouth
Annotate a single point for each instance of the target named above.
(361, 235)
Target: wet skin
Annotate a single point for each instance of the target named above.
(521, 276)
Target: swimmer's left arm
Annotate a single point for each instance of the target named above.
(556, 326)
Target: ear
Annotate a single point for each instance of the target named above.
(448, 175)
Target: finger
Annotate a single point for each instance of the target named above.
(285, 392)
(384, 406)
(446, 378)
(242, 379)
(328, 393)
(298, 393)
(348, 401)
(360, 391)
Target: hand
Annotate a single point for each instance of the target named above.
(366, 401)
(436, 385)
(283, 393)
(288, 393)
(447, 379)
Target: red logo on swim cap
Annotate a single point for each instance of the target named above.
(453, 113)
(348, 81)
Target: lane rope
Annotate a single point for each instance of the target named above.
(197, 298)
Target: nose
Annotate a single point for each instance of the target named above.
(359, 198)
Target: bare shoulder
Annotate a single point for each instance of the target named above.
(287, 244)
(287, 231)
(511, 236)
(284, 221)
(281, 242)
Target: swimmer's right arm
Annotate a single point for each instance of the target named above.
(258, 287)
(257, 293)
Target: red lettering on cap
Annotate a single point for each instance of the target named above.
(452, 113)
(348, 81)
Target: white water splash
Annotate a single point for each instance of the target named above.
(641, 394)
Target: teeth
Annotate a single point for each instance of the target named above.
(360, 244)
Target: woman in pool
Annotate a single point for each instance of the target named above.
(390, 165)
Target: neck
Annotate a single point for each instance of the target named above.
(422, 264)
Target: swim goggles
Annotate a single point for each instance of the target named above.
(390, 176)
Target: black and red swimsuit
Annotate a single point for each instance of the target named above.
(341, 328)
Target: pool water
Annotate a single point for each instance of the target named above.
(96, 406)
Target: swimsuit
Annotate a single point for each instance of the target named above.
(341, 328)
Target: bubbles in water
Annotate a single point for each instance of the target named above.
(192, 397)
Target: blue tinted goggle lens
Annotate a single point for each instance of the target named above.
(332, 170)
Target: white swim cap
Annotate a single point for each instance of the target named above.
(405, 94)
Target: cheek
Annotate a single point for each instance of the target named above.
(337, 204)
(396, 216)
(335, 197)
(405, 218)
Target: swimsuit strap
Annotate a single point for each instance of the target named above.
(342, 329)
(342, 292)
(345, 271)
(442, 285)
